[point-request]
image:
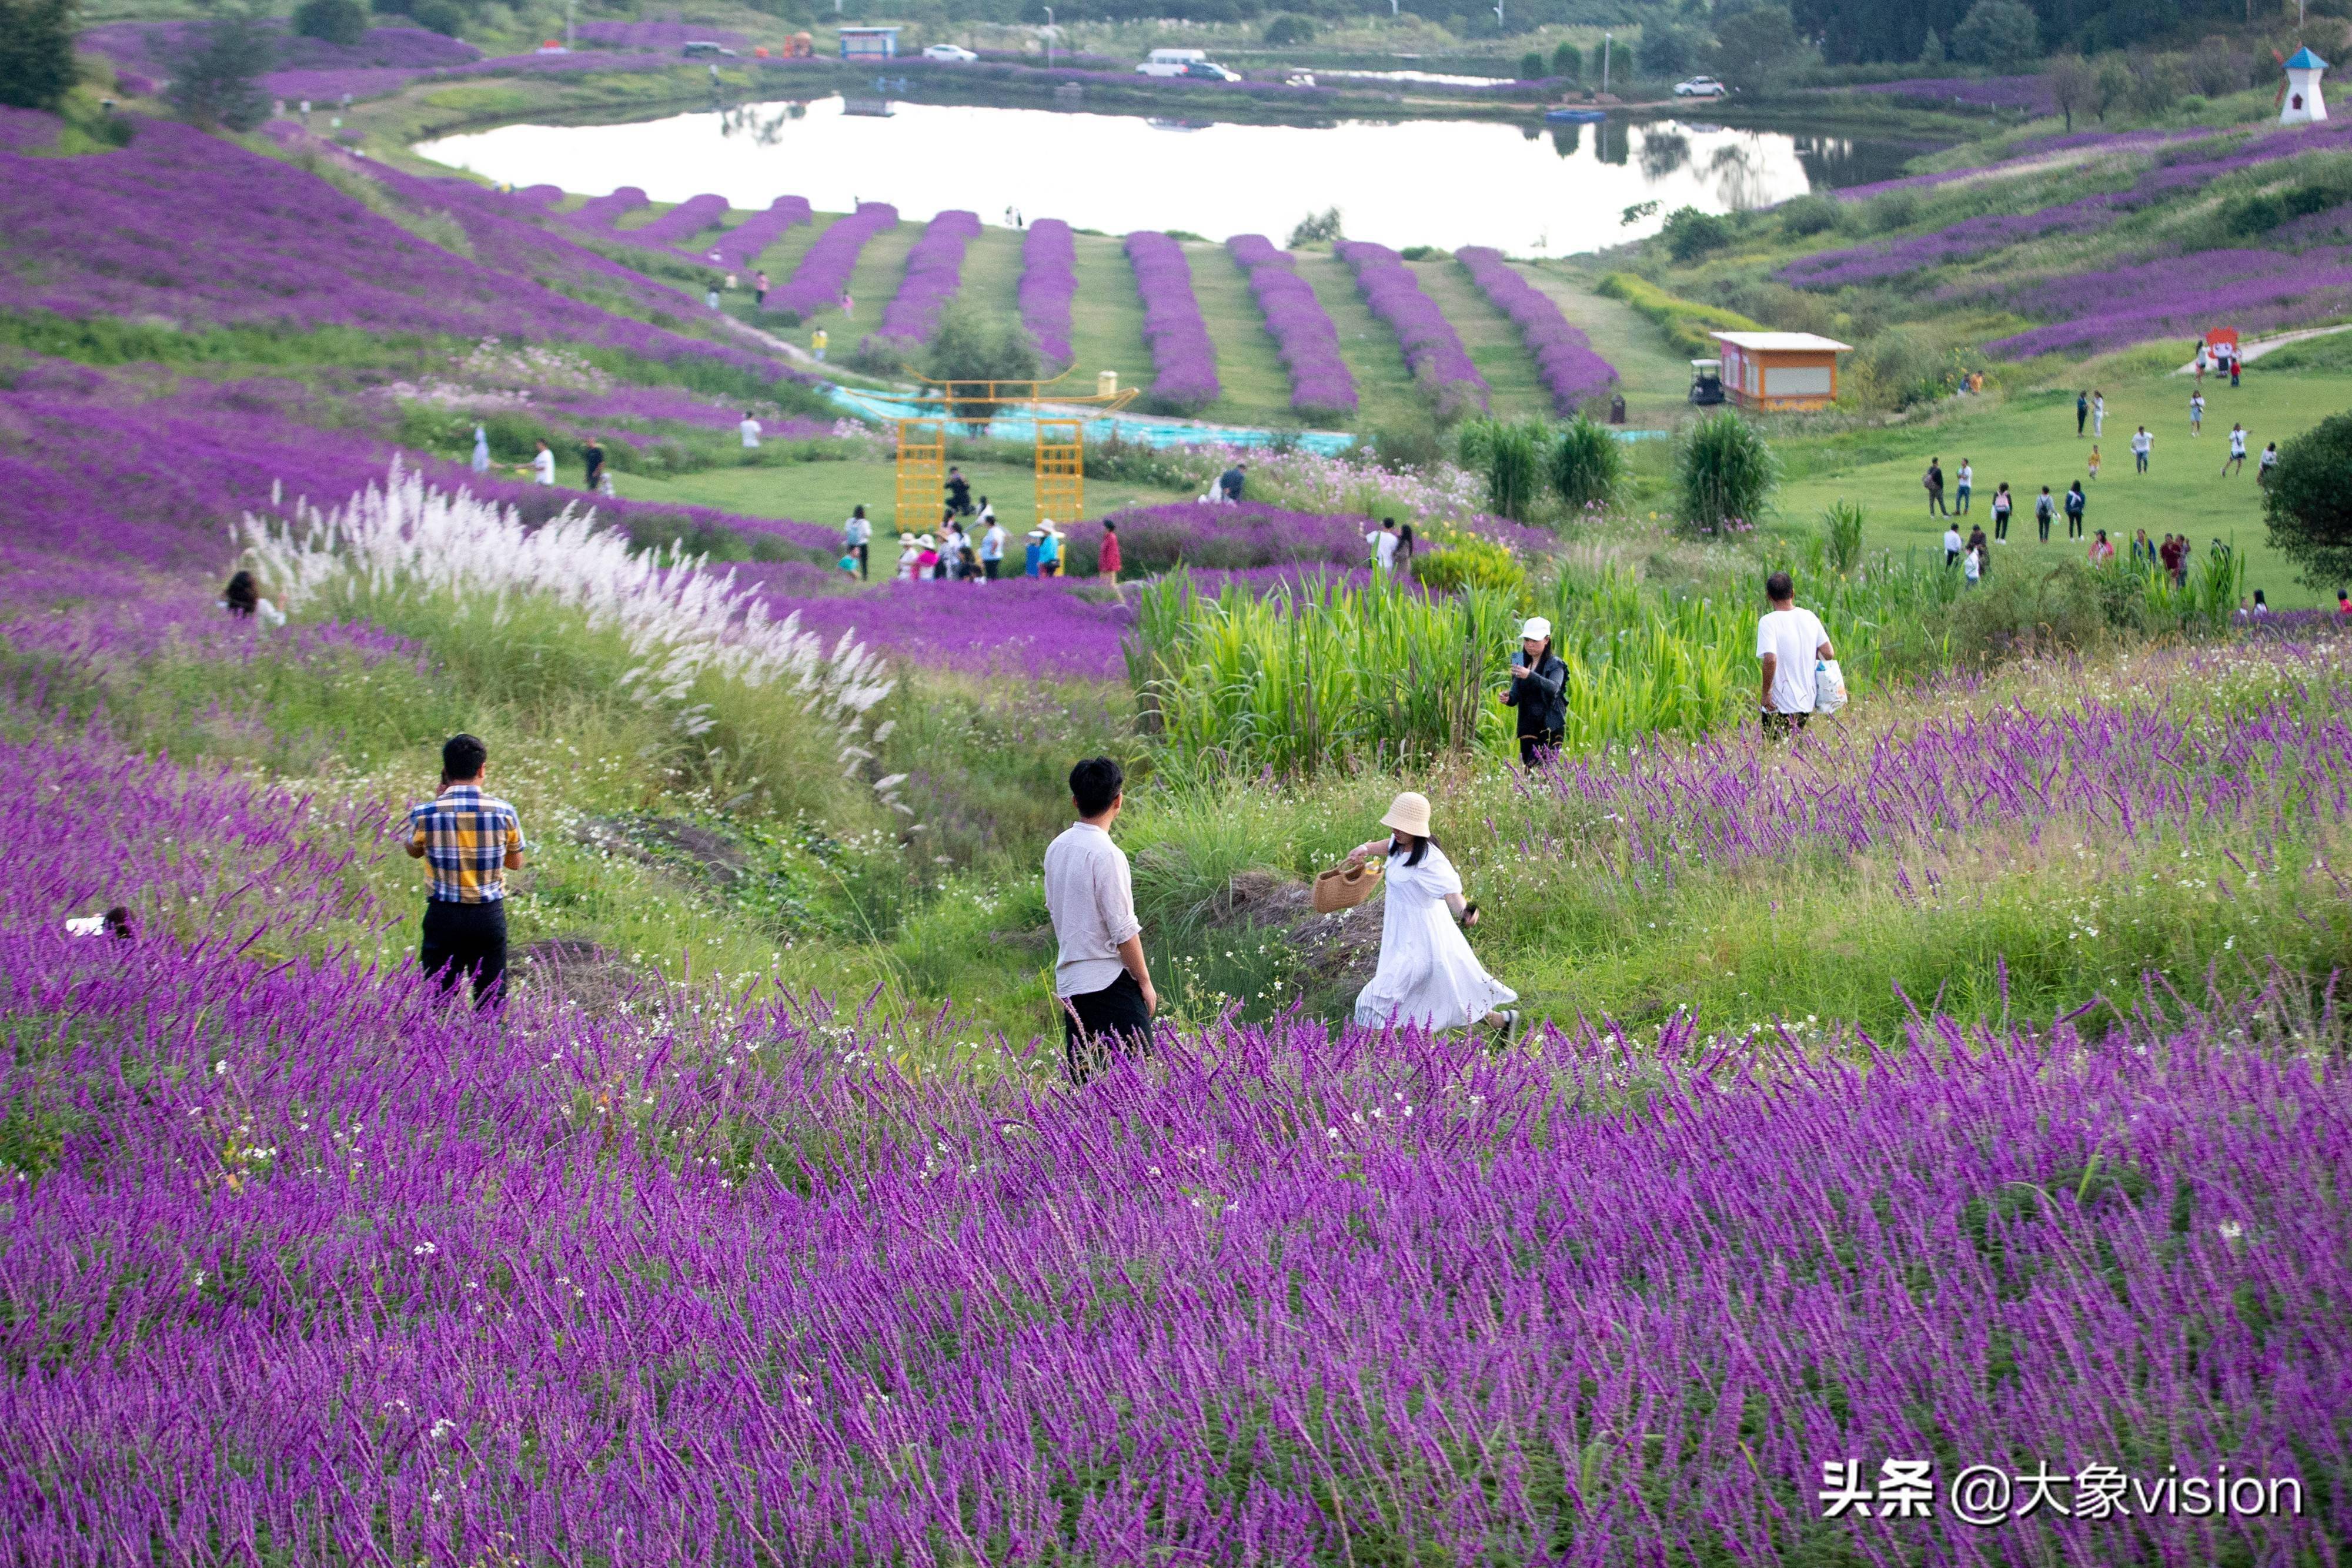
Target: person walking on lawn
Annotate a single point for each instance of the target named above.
(2081, 412)
(2197, 414)
(2044, 508)
(1789, 643)
(2141, 441)
(1106, 561)
(2236, 458)
(1952, 544)
(469, 840)
(1933, 483)
(1100, 977)
(2076, 502)
(2268, 462)
(1967, 478)
(2098, 414)
(2002, 505)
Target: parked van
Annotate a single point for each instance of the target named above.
(1172, 62)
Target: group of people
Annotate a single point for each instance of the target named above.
(962, 553)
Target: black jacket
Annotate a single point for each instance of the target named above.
(1541, 697)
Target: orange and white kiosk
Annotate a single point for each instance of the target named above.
(1780, 370)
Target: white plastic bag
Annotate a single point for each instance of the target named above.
(1829, 686)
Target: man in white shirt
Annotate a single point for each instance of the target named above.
(992, 548)
(2141, 441)
(1790, 642)
(1952, 546)
(542, 466)
(1099, 975)
(1383, 540)
(751, 429)
(2237, 449)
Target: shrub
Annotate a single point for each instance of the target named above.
(1665, 50)
(1315, 228)
(1809, 216)
(1423, 253)
(216, 72)
(1567, 62)
(36, 61)
(2309, 506)
(2031, 610)
(1408, 446)
(2245, 216)
(1290, 28)
(1511, 457)
(972, 345)
(1690, 234)
(1893, 210)
(344, 22)
(1841, 535)
(437, 15)
(1902, 366)
(1470, 562)
(1758, 49)
(1725, 474)
(1586, 464)
(2000, 33)
(1531, 66)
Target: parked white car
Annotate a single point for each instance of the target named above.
(1701, 86)
(951, 52)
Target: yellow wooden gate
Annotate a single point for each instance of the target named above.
(1061, 470)
(922, 473)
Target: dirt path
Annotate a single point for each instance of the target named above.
(2254, 349)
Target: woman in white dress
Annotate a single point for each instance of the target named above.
(1428, 975)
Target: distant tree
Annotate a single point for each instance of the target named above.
(1290, 28)
(1531, 66)
(2111, 88)
(2308, 505)
(36, 61)
(438, 15)
(972, 345)
(1316, 228)
(216, 71)
(1999, 33)
(2073, 83)
(1756, 50)
(1568, 61)
(1931, 49)
(1665, 50)
(344, 22)
(1690, 234)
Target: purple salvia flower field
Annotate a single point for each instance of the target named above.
(604, 211)
(1326, 1254)
(2112, 308)
(740, 246)
(1320, 384)
(934, 272)
(655, 35)
(682, 222)
(1432, 347)
(1021, 627)
(1183, 361)
(1564, 354)
(824, 272)
(1049, 280)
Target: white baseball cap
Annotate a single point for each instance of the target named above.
(1537, 629)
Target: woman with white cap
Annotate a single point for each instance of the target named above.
(908, 554)
(1537, 690)
(1428, 975)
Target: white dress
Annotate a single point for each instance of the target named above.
(1428, 975)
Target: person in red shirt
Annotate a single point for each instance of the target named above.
(1108, 562)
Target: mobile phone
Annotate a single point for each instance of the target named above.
(1518, 658)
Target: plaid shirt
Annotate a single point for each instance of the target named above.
(466, 836)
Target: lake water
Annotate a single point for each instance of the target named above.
(1527, 190)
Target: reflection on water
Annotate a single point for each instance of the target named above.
(1832, 162)
(1448, 182)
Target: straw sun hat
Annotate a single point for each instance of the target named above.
(1409, 814)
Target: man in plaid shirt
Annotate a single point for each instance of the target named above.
(469, 840)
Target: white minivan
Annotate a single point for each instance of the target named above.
(1172, 62)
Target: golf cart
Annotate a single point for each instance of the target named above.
(1706, 382)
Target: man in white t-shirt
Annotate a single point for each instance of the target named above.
(1952, 546)
(992, 549)
(751, 429)
(1383, 540)
(1790, 642)
(2141, 441)
(1099, 976)
(542, 466)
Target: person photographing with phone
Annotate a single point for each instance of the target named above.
(1538, 690)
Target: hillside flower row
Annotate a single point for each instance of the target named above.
(1183, 361)
(1320, 384)
(934, 272)
(1570, 369)
(1432, 350)
(1049, 281)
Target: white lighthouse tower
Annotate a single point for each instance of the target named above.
(2303, 103)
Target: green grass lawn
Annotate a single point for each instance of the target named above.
(1514, 384)
(1655, 377)
(992, 271)
(1256, 388)
(1385, 393)
(1106, 318)
(2030, 441)
(825, 492)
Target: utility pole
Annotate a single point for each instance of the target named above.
(1049, 38)
(569, 41)
(1604, 62)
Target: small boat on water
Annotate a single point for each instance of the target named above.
(1575, 116)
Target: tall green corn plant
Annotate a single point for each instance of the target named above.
(2215, 588)
(1725, 474)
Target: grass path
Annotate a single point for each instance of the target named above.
(2030, 441)
(1654, 379)
(881, 267)
(1385, 392)
(1257, 386)
(1515, 386)
(1106, 318)
(992, 271)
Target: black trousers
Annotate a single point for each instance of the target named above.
(1535, 746)
(864, 552)
(988, 569)
(468, 938)
(1113, 1019)
(1781, 725)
